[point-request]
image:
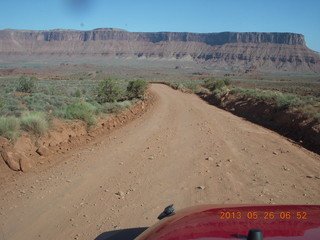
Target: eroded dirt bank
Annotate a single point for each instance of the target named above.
(30, 152)
(290, 123)
(125, 180)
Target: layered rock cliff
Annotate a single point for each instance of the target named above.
(231, 50)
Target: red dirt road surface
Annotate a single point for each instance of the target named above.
(182, 151)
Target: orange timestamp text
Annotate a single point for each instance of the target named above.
(285, 215)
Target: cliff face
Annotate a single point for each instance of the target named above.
(269, 51)
(121, 35)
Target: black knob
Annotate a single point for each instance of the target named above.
(168, 211)
(255, 234)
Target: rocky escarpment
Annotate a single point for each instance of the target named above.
(103, 34)
(231, 50)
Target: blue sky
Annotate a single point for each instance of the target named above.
(167, 15)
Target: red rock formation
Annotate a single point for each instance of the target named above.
(267, 51)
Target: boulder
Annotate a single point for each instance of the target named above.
(12, 159)
(24, 145)
(3, 142)
(25, 163)
(43, 151)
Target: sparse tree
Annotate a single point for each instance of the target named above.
(108, 91)
(136, 88)
(27, 84)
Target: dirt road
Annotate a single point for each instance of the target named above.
(126, 179)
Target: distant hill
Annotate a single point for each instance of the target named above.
(230, 50)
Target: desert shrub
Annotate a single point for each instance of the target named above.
(255, 93)
(27, 84)
(127, 104)
(116, 107)
(261, 94)
(213, 84)
(136, 88)
(40, 102)
(9, 89)
(11, 106)
(59, 113)
(35, 123)
(76, 93)
(180, 86)
(311, 111)
(82, 111)
(37, 107)
(2, 87)
(285, 101)
(176, 86)
(11, 100)
(219, 93)
(281, 100)
(1, 102)
(9, 127)
(236, 90)
(193, 88)
(184, 86)
(202, 90)
(52, 91)
(28, 99)
(15, 111)
(227, 81)
(108, 91)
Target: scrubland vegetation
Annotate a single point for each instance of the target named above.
(29, 104)
(309, 105)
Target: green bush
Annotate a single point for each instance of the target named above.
(9, 127)
(27, 84)
(11, 106)
(213, 84)
(219, 93)
(82, 111)
(35, 123)
(176, 85)
(116, 107)
(60, 113)
(286, 101)
(77, 93)
(1, 102)
(256, 94)
(52, 91)
(136, 88)
(281, 100)
(180, 86)
(108, 91)
(237, 90)
(227, 81)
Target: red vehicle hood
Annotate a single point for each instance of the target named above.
(277, 222)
